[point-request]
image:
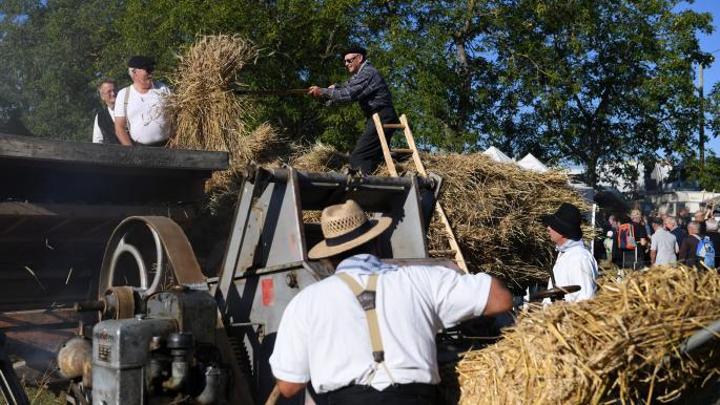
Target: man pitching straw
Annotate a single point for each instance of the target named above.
(369, 89)
(366, 335)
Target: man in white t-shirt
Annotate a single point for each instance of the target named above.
(663, 247)
(139, 107)
(377, 345)
(104, 125)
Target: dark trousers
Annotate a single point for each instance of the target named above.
(368, 152)
(401, 394)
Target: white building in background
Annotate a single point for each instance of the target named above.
(670, 203)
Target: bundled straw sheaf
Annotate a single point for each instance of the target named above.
(204, 111)
(621, 347)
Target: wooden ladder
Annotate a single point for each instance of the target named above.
(420, 167)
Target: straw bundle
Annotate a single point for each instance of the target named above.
(318, 158)
(204, 112)
(622, 346)
(263, 146)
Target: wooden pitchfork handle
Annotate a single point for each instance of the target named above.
(274, 396)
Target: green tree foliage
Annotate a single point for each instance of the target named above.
(587, 81)
(707, 179)
(49, 50)
(596, 82)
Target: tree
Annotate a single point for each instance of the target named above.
(688, 170)
(587, 81)
(299, 43)
(49, 50)
(598, 81)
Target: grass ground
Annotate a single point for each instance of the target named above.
(43, 396)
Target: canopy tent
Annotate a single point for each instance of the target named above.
(530, 162)
(497, 155)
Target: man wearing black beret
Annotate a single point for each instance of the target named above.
(139, 118)
(575, 265)
(369, 89)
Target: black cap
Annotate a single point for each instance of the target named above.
(142, 62)
(355, 49)
(565, 221)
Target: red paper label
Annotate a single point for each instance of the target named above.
(268, 292)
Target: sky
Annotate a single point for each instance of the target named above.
(710, 43)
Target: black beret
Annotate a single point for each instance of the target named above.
(142, 62)
(355, 49)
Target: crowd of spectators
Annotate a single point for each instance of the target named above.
(663, 239)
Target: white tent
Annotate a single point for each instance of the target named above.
(530, 162)
(497, 155)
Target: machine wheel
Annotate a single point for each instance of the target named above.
(145, 255)
(130, 240)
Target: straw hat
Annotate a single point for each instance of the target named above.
(345, 226)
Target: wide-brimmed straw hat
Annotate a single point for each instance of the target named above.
(565, 221)
(345, 226)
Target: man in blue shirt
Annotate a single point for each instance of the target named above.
(369, 89)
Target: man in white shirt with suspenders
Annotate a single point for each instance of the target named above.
(139, 118)
(367, 334)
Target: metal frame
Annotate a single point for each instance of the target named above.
(266, 261)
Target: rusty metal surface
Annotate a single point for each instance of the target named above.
(122, 302)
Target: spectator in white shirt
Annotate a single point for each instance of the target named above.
(663, 247)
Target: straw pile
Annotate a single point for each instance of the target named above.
(493, 208)
(622, 346)
(204, 112)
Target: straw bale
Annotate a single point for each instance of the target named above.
(263, 146)
(494, 210)
(203, 110)
(318, 158)
(621, 346)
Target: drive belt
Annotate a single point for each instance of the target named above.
(176, 245)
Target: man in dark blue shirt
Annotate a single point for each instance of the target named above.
(369, 89)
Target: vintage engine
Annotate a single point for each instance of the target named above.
(166, 354)
(152, 345)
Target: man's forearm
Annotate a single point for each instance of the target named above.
(120, 131)
(289, 389)
(653, 256)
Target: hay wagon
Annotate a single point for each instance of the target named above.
(59, 203)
